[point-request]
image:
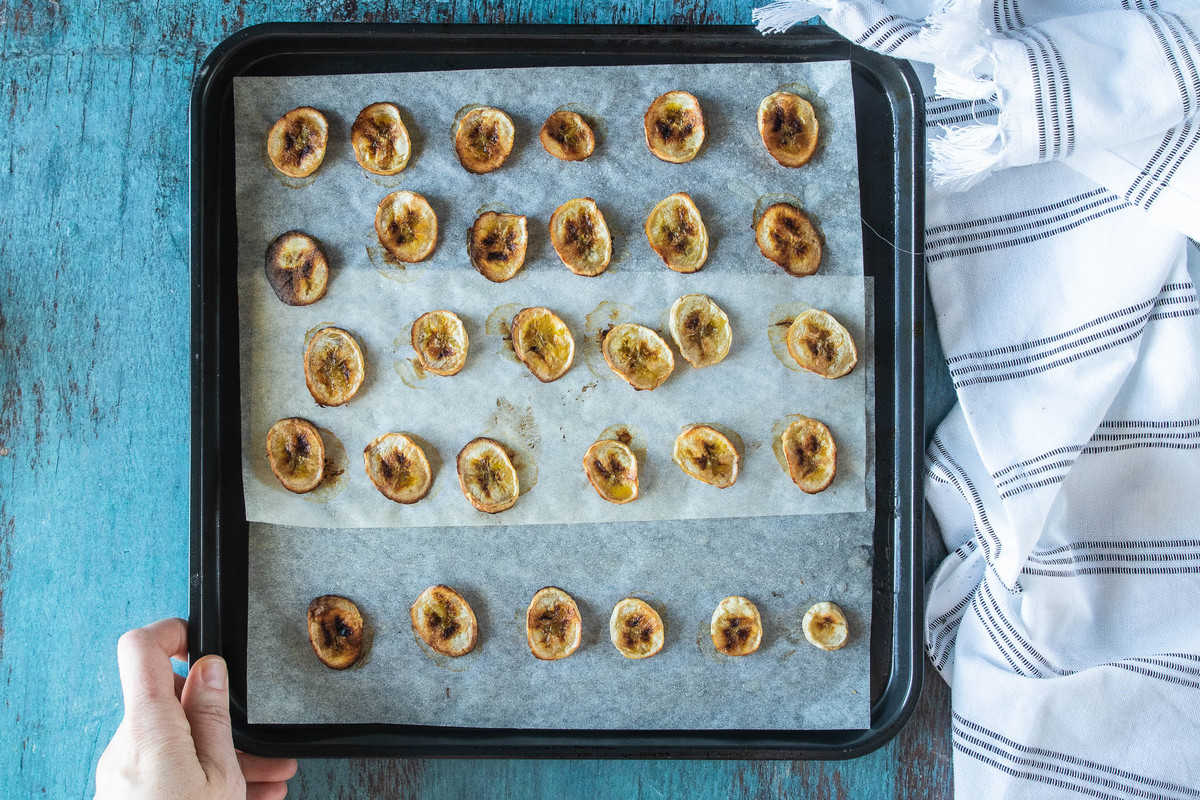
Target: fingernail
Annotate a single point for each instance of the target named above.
(213, 673)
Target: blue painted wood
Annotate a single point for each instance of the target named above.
(94, 402)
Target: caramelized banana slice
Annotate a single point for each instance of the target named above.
(612, 469)
(487, 476)
(788, 128)
(296, 453)
(444, 620)
(380, 140)
(638, 355)
(821, 344)
(297, 269)
(567, 136)
(674, 126)
(496, 244)
(552, 624)
(398, 467)
(334, 367)
(335, 631)
(636, 629)
(786, 236)
(543, 342)
(441, 342)
(483, 139)
(736, 627)
(296, 142)
(677, 233)
(825, 626)
(707, 455)
(580, 236)
(811, 454)
(406, 226)
(701, 330)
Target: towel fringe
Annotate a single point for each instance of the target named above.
(777, 17)
(965, 155)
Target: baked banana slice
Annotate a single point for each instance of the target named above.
(821, 344)
(786, 236)
(296, 453)
(335, 631)
(701, 330)
(552, 624)
(638, 355)
(296, 142)
(612, 469)
(487, 476)
(677, 233)
(674, 125)
(810, 453)
(398, 467)
(296, 268)
(483, 139)
(406, 226)
(580, 236)
(441, 342)
(825, 626)
(636, 629)
(334, 367)
(543, 342)
(496, 244)
(707, 455)
(444, 620)
(736, 627)
(567, 136)
(788, 127)
(380, 141)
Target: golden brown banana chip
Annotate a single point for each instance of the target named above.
(674, 125)
(496, 244)
(580, 236)
(786, 236)
(379, 139)
(736, 627)
(567, 136)
(677, 233)
(636, 629)
(821, 344)
(398, 467)
(487, 476)
(638, 355)
(334, 366)
(483, 139)
(406, 226)
(296, 453)
(810, 453)
(543, 342)
(552, 624)
(335, 631)
(788, 127)
(612, 469)
(296, 268)
(444, 620)
(825, 626)
(296, 142)
(441, 342)
(707, 455)
(701, 330)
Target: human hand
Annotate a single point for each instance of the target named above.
(175, 740)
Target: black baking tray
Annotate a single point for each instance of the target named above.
(891, 157)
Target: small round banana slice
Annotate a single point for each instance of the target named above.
(736, 627)
(810, 453)
(296, 268)
(701, 330)
(441, 342)
(788, 127)
(483, 139)
(487, 476)
(567, 136)
(296, 142)
(580, 236)
(335, 631)
(821, 344)
(334, 367)
(677, 233)
(496, 244)
(552, 624)
(398, 467)
(296, 453)
(612, 469)
(638, 355)
(406, 226)
(444, 620)
(674, 125)
(543, 342)
(707, 455)
(825, 626)
(786, 236)
(380, 141)
(636, 629)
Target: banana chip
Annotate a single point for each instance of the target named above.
(636, 629)
(483, 139)
(788, 127)
(487, 476)
(496, 244)
(707, 455)
(674, 125)
(677, 233)
(638, 355)
(567, 136)
(335, 631)
(701, 330)
(296, 453)
(736, 627)
(543, 342)
(296, 142)
(786, 236)
(825, 626)
(552, 624)
(444, 620)
(580, 237)
(811, 454)
(296, 268)
(821, 344)
(398, 468)
(612, 469)
(379, 139)
(441, 342)
(334, 367)
(406, 226)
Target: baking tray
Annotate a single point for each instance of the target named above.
(891, 157)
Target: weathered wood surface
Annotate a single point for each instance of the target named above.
(94, 402)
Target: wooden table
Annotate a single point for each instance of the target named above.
(95, 398)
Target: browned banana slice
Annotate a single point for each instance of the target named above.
(297, 269)
(580, 236)
(496, 244)
(441, 342)
(380, 141)
(543, 342)
(638, 355)
(786, 236)
(398, 467)
(825, 626)
(821, 344)
(677, 233)
(612, 469)
(296, 453)
(736, 627)
(567, 136)
(487, 476)
(334, 366)
(701, 330)
(335, 631)
(636, 629)
(810, 453)
(552, 624)
(788, 128)
(483, 139)
(406, 226)
(674, 126)
(707, 455)
(444, 620)
(296, 142)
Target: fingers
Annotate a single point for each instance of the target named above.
(266, 791)
(257, 769)
(144, 657)
(206, 703)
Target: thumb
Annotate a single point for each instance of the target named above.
(205, 702)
